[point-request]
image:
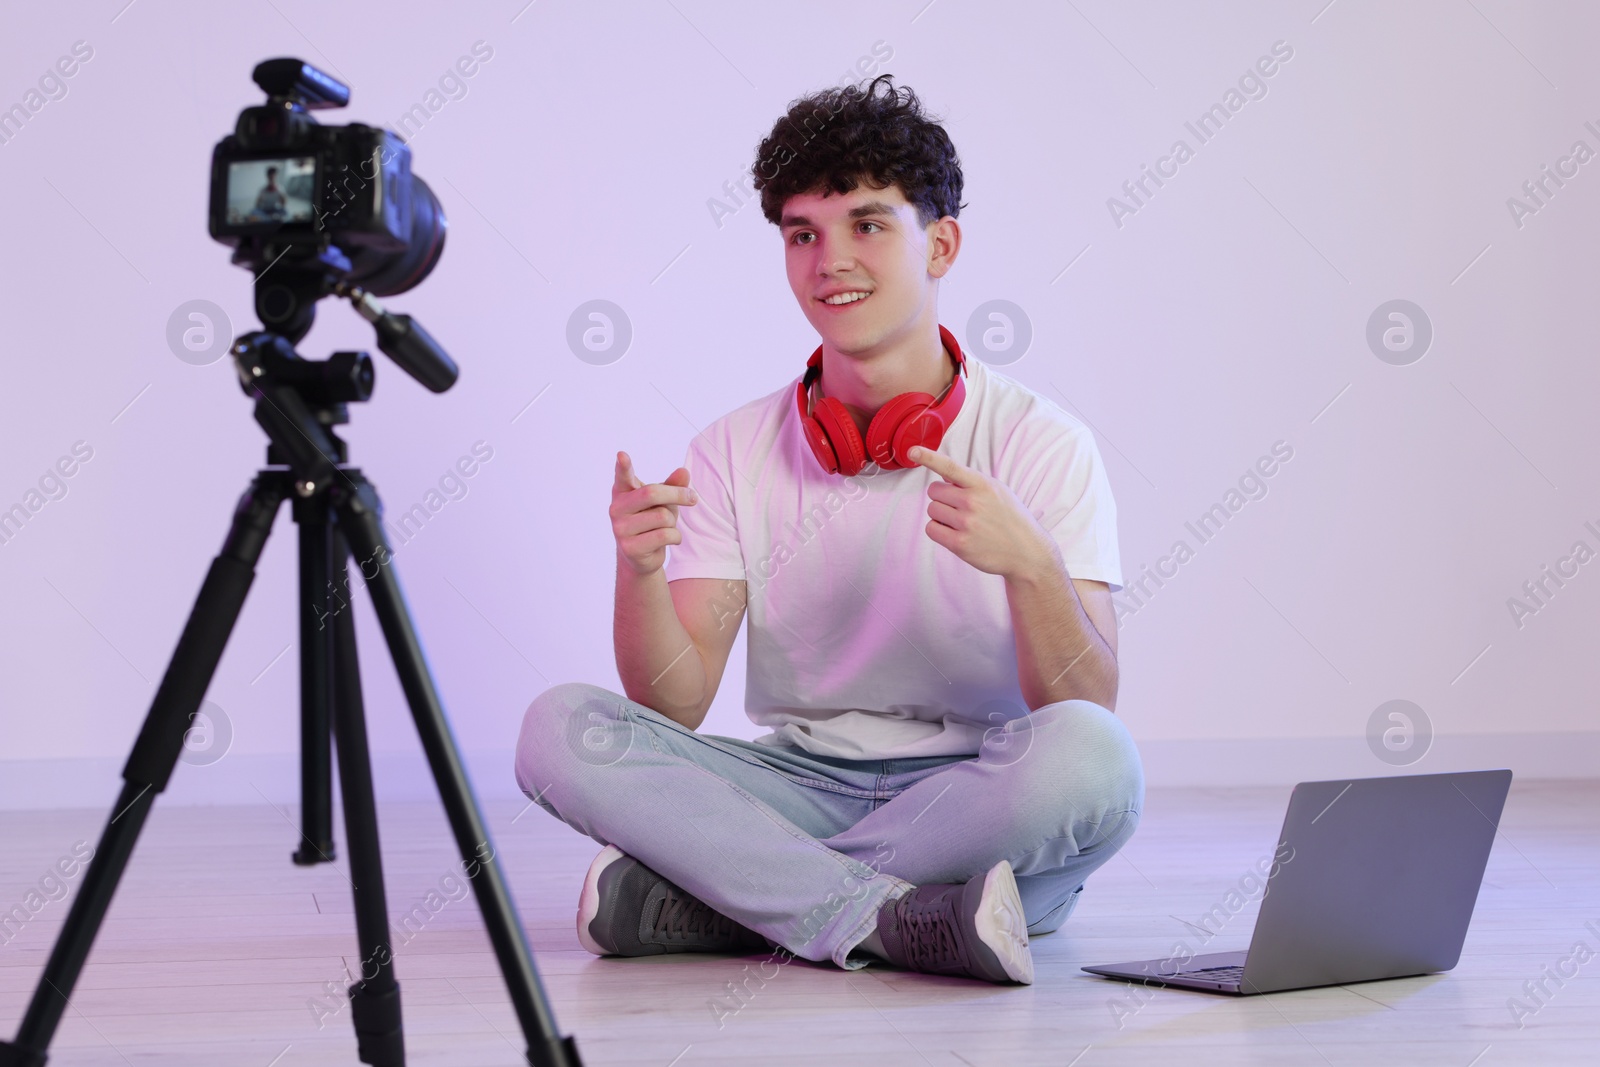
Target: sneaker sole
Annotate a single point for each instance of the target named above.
(589, 899)
(1002, 925)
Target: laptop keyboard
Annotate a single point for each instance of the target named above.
(1213, 974)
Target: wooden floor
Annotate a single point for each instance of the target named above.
(217, 951)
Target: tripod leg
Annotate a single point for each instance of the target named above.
(359, 513)
(317, 605)
(375, 995)
(150, 764)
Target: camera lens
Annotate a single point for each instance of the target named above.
(388, 273)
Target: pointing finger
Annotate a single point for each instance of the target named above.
(625, 478)
(945, 467)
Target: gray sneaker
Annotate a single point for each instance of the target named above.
(626, 909)
(976, 930)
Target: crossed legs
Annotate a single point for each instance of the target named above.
(806, 851)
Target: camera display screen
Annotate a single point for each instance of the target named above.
(264, 192)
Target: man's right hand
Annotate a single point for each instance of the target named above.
(644, 518)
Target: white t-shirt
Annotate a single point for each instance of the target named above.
(867, 639)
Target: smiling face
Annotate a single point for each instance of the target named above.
(867, 251)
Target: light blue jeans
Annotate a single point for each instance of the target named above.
(805, 849)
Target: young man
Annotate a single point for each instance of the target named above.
(931, 636)
(270, 201)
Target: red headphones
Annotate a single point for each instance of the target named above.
(907, 420)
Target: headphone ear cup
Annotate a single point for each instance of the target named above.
(921, 429)
(926, 425)
(842, 435)
(883, 433)
(817, 438)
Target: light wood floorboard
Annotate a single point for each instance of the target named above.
(216, 946)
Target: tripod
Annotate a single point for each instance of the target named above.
(338, 513)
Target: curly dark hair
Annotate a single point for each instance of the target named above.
(835, 139)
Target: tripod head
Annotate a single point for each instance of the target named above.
(286, 302)
(298, 401)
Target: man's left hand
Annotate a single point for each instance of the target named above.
(982, 521)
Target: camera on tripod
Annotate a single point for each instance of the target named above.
(314, 211)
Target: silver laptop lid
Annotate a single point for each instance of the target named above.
(1380, 879)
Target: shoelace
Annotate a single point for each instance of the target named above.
(930, 935)
(683, 915)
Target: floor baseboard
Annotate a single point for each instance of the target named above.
(241, 778)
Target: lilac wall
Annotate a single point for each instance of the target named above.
(1193, 326)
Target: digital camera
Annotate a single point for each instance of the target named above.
(340, 200)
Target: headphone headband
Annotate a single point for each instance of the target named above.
(907, 420)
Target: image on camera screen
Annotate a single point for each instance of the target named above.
(263, 191)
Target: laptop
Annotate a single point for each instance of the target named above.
(1372, 878)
